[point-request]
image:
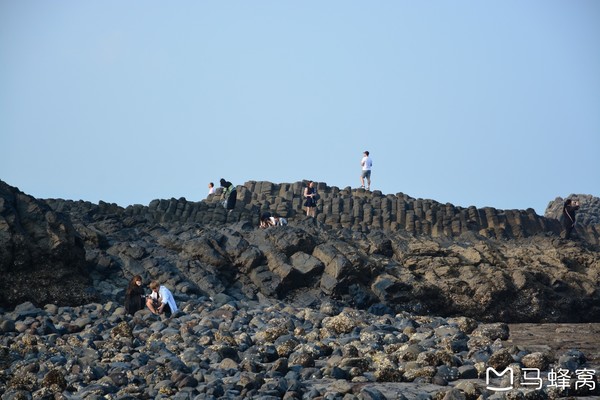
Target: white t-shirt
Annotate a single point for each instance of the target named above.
(366, 163)
(165, 296)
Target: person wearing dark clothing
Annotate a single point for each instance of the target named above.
(134, 295)
(310, 193)
(267, 220)
(229, 195)
(569, 210)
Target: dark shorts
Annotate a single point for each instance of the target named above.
(366, 173)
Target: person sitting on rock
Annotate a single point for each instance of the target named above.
(161, 300)
(134, 295)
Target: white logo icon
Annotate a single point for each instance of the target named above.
(499, 375)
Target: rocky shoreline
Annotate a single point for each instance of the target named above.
(399, 298)
(230, 349)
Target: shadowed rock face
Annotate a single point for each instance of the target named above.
(507, 266)
(42, 259)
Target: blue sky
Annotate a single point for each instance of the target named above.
(492, 103)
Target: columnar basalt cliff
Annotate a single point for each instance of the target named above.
(355, 209)
(380, 297)
(384, 253)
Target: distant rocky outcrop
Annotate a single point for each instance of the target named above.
(42, 258)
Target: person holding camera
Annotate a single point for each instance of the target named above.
(569, 209)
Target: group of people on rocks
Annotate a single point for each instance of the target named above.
(159, 301)
(229, 197)
(229, 194)
(311, 195)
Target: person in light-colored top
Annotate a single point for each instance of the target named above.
(161, 300)
(211, 188)
(366, 163)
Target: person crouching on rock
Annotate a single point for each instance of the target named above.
(134, 295)
(267, 220)
(161, 300)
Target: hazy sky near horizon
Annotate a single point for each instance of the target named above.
(468, 102)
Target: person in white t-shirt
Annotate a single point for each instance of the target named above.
(161, 300)
(366, 163)
(211, 188)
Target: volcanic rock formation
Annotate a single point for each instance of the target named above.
(386, 254)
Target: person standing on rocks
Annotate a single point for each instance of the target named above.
(569, 209)
(134, 295)
(229, 195)
(310, 193)
(366, 163)
(211, 188)
(161, 300)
